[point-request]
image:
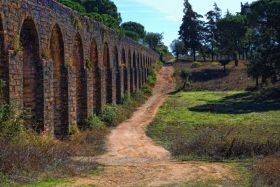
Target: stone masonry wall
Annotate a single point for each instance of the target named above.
(63, 67)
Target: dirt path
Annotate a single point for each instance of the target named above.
(134, 159)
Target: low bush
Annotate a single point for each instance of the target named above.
(88, 142)
(196, 64)
(110, 115)
(94, 122)
(224, 142)
(25, 154)
(152, 77)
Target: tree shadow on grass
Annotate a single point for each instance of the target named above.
(208, 74)
(241, 103)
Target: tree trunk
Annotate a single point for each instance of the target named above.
(224, 68)
(236, 62)
(257, 82)
(194, 57)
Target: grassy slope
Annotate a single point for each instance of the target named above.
(210, 76)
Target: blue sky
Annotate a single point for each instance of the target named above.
(165, 15)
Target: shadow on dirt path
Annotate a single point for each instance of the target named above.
(133, 159)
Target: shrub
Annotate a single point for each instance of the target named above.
(185, 76)
(223, 143)
(29, 153)
(89, 142)
(74, 129)
(196, 64)
(94, 122)
(11, 124)
(152, 77)
(110, 115)
(147, 90)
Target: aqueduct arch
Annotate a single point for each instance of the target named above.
(118, 76)
(81, 81)
(108, 74)
(125, 72)
(96, 77)
(47, 73)
(135, 72)
(131, 66)
(60, 83)
(3, 63)
(33, 102)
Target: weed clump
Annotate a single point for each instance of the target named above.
(223, 142)
(196, 64)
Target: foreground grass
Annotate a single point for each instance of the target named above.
(229, 126)
(190, 113)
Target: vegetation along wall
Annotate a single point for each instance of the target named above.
(60, 67)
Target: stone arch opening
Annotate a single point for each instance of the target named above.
(131, 71)
(96, 77)
(125, 72)
(60, 83)
(33, 95)
(118, 76)
(135, 72)
(138, 70)
(3, 64)
(108, 74)
(81, 82)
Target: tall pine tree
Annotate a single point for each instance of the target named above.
(213, 16)
(190, 29)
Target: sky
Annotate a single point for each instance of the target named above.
(165, 16)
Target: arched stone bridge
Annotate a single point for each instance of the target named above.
(64, 67)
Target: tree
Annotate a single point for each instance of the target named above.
(73, 5)
(177, 47)
(164, 52)
(263, 18)
(102, 7)
(213, 16)
(190, 28)
(104, 11)
(154, 39)
(106, 19)
(230, 35)
(134, 27)
(133, 35)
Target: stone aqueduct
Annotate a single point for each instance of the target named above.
(64, 67)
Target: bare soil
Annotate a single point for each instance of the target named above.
(133, 159)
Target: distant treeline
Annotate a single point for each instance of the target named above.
(252, 34)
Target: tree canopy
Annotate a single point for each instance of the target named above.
(134, 27)
(190, 29)
(252, 34)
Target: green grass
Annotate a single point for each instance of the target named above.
(230, 116)
(44, 183)
(235, 127)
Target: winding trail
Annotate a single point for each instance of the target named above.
(133, 159)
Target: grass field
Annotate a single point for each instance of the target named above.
(229, 118)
